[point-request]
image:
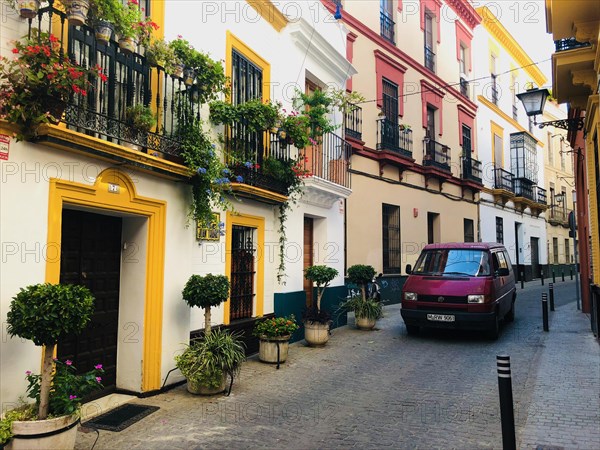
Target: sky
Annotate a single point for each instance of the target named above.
(526, 21)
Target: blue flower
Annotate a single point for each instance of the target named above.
(226, 171)
(201, 170)
(239, 179)
(248, 164)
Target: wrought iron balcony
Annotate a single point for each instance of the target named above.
(436, 155)
(503, 180)
(525, 188)
(329, 160)
(353, 121)
(394, 137)
(131, 81)
(387, 27)
(559, 216)
(562, 45)
(540, 195)
(429, 59)
(471, 169)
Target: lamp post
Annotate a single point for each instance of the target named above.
(534, 101)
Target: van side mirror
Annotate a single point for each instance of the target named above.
(408, 269)
(502, 272)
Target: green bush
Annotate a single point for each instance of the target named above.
(276, 327)
(140, 117)
(204, 292)
(366, 309)
(321, 276)
(25, 412)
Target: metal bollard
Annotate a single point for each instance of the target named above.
(522, 281)
(571, 270)
(545, 311)
(507, 415)
(553, 276)
(551, 296)
(563, 274)
(542, 275)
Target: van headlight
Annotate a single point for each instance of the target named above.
(475, 298)
(410, 296)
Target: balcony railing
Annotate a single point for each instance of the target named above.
(471, 169)
(387, 27)
(394, 137)
(436, 155)
(503, 180)
(525, 188)
(329, 160)
(353, 122)
(246, 151)
(562, 45)
(539, 195)
(429, 59)
(131, 81)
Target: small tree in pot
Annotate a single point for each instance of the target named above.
(366, 310)
(316, 321)
(204, 292)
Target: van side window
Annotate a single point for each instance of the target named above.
(495, 262)
(502, 261)
(507, 259)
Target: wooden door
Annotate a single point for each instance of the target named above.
(308, 258)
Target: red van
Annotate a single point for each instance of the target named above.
(460, 285)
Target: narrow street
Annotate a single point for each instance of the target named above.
(373, 390)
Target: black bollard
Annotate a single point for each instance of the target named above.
(522, 281)
(542, 275)
(563, 274)
(571, 270)
(545, 311)
(507, 415)
(553, 276)
(551, 296)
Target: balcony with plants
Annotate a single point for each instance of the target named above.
(394, 137)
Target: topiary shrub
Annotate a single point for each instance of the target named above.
(362, 275)
(204, 292)
(321, 276)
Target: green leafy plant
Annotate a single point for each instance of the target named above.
(204, 292)
(362, 275)
(321, 276)
(45, 314)
(128, 16)
(36, 85)
(366, 309)
(140, 117)
(23, 413)
(276, 327)
(345, 101)
(255, 115)
(205, 361)
(316, 108)
(68, 388)
(159, 53)
(108, 10)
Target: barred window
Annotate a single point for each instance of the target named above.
(499, 230)
(391, 238)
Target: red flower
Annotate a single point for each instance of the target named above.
(53, 38)
(15, 50)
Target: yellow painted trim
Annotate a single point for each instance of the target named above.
(268, 11)
(257, 222)
(498, 131)
(258, 192)
(503, 115)
(593, 129)
(505, 39)
(233, 42)
(126, 201)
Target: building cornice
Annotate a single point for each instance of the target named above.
(465, 11)
(268, 11)
(497, 31)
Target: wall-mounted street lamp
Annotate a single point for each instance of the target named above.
(559, 199)
(534, 101)
(338, 10)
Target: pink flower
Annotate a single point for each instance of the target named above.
(68, 362)
(98, 379)
(98, 366)
(72, 397)
(28, 372)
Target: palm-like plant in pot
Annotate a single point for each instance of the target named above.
(317, 321)
(46, 314)
(366, 310)
(206, 361)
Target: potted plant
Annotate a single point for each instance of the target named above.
(316, 321)
(140, 117)
(206, 361)
(366, 310)
(77, 11)
(36, 85)
(45, 314)
(28, 9)
(126, 26)
(103, 15)
(256, 115)
(160, 54)
(274, 336)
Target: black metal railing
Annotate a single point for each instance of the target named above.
(464, 87)
(329, 159)
(562, 45)
(558, 214)
(394, 137)
(429, 59)
(524, 188)
(539, 195)
(246, 153)
(471, 169)
(503, 180)
(131, 81)
(353, 122)
(436, 155)
(494, 90)
(387, 27)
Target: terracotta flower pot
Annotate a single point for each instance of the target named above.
(28, 9)
(59, 432)
(77, 11)
(267, 350)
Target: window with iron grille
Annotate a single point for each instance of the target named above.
(391, 238)
(243, 272)
(466, 140)
(555, 250)
(499, 230)
(523, 156)
(469, 230)
(390, 100)
(567, 252)
(429, 50)
(386, 20)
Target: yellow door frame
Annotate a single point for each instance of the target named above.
(259, 224)
(102, 196)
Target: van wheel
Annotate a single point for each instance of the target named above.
(510, 315)
(494, 331)
(412, 329)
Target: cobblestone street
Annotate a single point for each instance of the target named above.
(385, 389)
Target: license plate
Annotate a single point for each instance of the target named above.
(440, 317)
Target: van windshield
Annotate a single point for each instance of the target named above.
(453, 262)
